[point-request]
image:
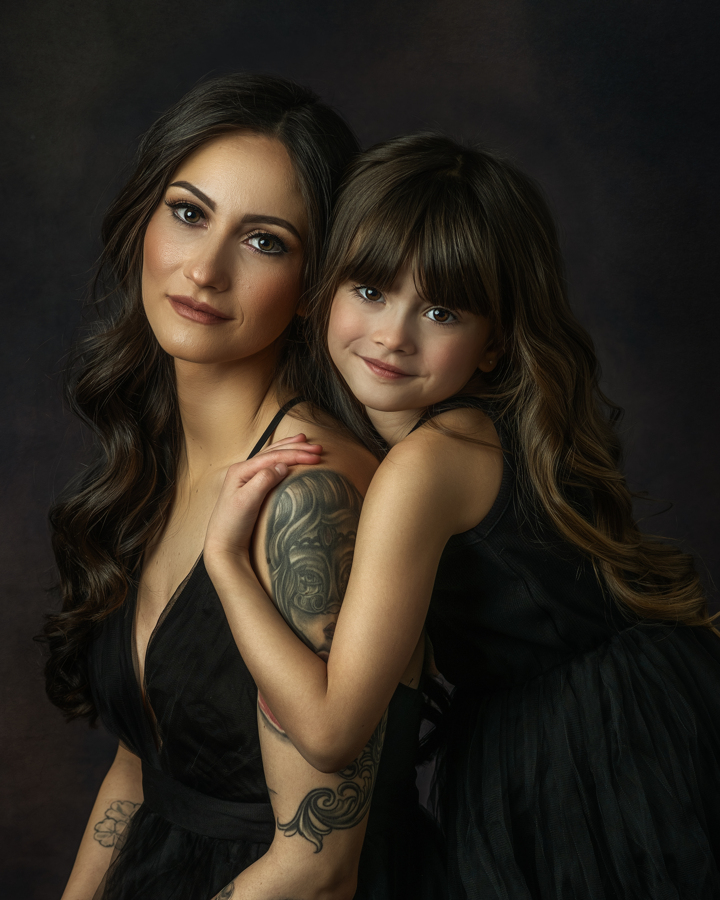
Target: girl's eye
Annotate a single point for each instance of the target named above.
(440, 315)
(186, 213)
(370, 294)
(266, 243)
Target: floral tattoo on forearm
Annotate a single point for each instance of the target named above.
(109, 832)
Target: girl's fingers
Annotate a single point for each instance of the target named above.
(240, 473)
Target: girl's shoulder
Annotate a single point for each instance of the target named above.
(455, 460)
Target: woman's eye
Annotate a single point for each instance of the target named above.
(440, 315)
(266, 243)
(189, 215)
(371, 294)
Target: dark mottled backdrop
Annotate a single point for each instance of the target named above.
(612, 104)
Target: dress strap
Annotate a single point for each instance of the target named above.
(277, 418)
(467, 402)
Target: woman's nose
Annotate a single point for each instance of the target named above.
(209, 267)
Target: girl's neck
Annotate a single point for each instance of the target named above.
(393, 426)
(223, 407)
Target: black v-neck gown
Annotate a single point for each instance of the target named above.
(206, 814)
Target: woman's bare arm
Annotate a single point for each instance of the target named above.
(428, 488)
(119, 797)
(306, 540)
(320, 823)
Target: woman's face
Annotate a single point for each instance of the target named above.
(397, 351)
(223, 252)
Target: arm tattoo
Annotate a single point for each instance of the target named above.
(226, 893)
(310, 541)
(311, 531)
(325, 809)
(109, 832)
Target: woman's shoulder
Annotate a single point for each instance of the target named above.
(342, 452)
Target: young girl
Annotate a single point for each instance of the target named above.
(582, 759)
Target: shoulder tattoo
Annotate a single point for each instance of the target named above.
(311, 531)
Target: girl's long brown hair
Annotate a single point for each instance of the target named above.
(480, 237)
(122, 384)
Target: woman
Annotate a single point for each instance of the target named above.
(209, 249)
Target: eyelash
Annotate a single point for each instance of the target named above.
(357, 288)
(283, 246)
(175, 205)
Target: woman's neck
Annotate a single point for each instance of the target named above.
(223, 407)
(393, 426)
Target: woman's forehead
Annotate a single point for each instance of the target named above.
(246, 172)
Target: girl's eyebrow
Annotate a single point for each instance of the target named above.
(258, 218)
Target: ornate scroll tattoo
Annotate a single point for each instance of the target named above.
(309, 548)
(109, 832)
(326, 809)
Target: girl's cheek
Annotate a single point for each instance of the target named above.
(343, 326)
(456, 362)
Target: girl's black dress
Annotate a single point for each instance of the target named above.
(583, 761)
(206, 814)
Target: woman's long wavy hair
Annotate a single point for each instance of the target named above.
(122, 384)
(480, 237)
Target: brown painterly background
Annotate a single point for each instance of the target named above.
(612, 104)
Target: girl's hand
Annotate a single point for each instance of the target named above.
(246, 486)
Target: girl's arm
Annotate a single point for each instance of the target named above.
(119, 796)
(429, 487)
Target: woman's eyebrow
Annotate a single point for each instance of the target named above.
(259, 218)
(193, 190)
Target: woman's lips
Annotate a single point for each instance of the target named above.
(197, 312)
(384, 370)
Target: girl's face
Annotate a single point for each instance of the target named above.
(398, 352)
(223, 252)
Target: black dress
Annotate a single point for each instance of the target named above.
(206, 815)
(583, 761)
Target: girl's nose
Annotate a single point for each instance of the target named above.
(208, 268)
(394, 334)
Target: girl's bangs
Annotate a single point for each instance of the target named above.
(436, 232)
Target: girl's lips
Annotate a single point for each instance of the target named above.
(197, 312)
(384, 370)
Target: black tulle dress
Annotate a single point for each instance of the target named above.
(206, 814)
(583, 761)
